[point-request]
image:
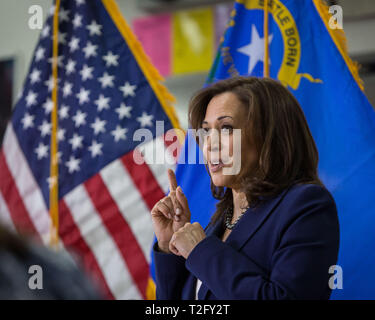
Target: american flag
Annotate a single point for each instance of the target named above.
(107, 89)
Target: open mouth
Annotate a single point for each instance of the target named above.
(216, 165)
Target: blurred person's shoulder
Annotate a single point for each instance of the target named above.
(33, 271)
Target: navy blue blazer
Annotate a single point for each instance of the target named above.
(280, 250)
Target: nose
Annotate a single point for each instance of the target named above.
(213, 141)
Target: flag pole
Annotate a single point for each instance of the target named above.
(266, 67)
(53, 187)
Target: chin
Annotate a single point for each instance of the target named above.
(220, 180)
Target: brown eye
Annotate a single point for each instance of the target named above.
(206, 131)
(226, 128)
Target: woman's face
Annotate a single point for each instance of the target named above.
(226, 113)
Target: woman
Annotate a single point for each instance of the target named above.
(275, 232)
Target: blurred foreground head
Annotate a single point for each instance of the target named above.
(61, 278)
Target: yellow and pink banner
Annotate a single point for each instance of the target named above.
(184, 41)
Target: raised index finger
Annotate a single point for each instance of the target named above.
(172, 180)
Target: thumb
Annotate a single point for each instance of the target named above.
(182, 199)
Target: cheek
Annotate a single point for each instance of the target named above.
(205, 151)
(226, 148)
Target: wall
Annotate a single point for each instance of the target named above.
(16, 39)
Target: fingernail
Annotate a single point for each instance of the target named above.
(179, 189)
(170, 216)
(178, 211)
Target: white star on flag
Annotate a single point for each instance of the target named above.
(145, 120)
(67, 89)
(77, 21)
(79, 118)
(48, 106)
(111, 59)
(119, 133)
(86, 72)
(45, 31)
(39, 54)
(70, 67)
(45, 128)
(128, 89)
(63, 15)
(31, 98)
(94, 28)
(102, 102)
(61, 134)
(50, 83)
(123, 111)
(51, 181)
(62, 38)
(255, 49)
(76, 141)
(90, 50)
(83, 96)
(95, 149)
(64, 112)
(74, 44)
(106, 80)
(58, 60)
(51, 11)
(35, 76)
(28, 121)
(98, 126)
(41, 151)
(73, 164)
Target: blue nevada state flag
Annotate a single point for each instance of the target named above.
(310, 59)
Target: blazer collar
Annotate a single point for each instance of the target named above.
(245, 228)
(252, 220)
(249, 223)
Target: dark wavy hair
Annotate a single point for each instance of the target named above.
(286, 150)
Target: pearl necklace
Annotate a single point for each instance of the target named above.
(229, 216)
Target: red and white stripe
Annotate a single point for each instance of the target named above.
(101, 243)
(159, 159)
(131, 206)
(20, 190)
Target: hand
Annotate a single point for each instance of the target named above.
(185, 239)
(170, 214)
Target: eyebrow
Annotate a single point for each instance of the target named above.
(220, 118)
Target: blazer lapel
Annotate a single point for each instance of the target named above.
(245, 228)
(252, 220)
(215, 229)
